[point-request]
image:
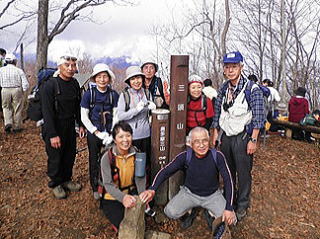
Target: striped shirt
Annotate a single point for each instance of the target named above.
(13, 77)
(256, 104)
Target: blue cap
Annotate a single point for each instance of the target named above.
(233, 57)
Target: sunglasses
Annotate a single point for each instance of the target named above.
(69, 58)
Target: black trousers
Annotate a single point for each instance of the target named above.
(61, 160)
(240, 163)
(94, 146)
(144, 145)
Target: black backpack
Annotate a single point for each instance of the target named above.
(34, 111)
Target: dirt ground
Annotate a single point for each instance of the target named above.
(285, 195)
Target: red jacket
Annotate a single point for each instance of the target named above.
(298, 108)
(196, 116)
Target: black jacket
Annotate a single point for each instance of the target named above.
(68, 105)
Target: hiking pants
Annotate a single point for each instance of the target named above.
(94, 146)
(61, 160)
(240, 163)
(12, 104)
(186, 200)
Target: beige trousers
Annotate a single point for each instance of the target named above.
(12, 105)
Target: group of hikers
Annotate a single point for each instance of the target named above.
(235, 115)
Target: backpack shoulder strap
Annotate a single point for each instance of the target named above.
(57, 92)
(204, 103)
(214, 155)
(147, 93)
(126, 96)
(93, 92)
(111, 157)
(248, 89)
(188, 156)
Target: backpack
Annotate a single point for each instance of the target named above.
(203, 106)
(126, 95)
(34, 111)
(267, 104)
(189, 156)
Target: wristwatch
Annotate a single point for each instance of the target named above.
(253, 140)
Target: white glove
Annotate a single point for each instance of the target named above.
(102, 135)
(140, 106)
(107, 140)
(151, 105)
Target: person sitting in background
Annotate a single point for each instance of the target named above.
(209, 91)
(273, 99)
(200, 109)
(311, 120)
(118, 175)
(298, 109)
(97, 107)
(202, 166)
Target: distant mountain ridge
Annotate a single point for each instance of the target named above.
(115, 62)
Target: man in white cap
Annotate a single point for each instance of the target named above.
(154, 83)
(13, 82)
(60, 102)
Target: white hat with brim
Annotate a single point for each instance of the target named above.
(150, 62)
(10, 57)
(101, 67)
(133, 71)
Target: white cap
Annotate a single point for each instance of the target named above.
(10, 57)
(63, 59)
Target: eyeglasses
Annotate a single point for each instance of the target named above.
(69, 58)
(198, 142)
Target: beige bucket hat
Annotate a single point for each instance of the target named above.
(133, 71)
(101, 67)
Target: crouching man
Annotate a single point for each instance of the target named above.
(201, 185)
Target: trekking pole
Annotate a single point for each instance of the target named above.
(80, 150)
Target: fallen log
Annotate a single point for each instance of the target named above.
(291, 125)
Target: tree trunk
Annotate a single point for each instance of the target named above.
(42, 38)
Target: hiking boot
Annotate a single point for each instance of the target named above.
(59, 192)
(72, 186)
(17, 130)
(149, 212)
(220, 229)
(209, 218)
(188, 219)
(8, 128)
(241, 214)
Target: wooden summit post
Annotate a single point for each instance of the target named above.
(160, 150)
(178, 107)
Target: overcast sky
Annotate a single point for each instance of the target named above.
(123, 30)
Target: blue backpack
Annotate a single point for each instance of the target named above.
(189, 156)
